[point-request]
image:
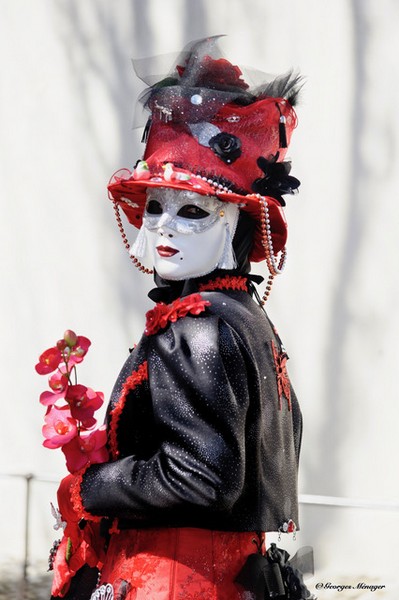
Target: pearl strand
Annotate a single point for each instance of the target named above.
(275, 268)
(215, 184)
(125, 241)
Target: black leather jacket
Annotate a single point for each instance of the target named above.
(206, 440)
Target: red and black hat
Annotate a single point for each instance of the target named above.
(210, 133)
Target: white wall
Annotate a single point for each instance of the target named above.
(67, 97)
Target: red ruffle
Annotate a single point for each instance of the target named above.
(162, 313)
(225, 283)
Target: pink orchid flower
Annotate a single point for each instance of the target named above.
(59, 428)
(89, 447)
(83, 402)
(58, 382)
(79, 350)
(49, 361)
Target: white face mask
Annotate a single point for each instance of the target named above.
(188, 234)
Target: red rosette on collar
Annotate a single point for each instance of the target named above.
(158, 317)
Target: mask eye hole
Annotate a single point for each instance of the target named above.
(191, 211)
(154, 207)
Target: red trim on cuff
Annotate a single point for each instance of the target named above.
(76, 497)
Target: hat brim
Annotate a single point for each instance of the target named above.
(130, 195)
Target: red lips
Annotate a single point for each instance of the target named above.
(166, 251)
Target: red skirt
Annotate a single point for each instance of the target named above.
(175, 564)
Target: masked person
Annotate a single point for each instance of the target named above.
(204, 428)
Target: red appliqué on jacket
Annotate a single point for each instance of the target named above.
(225, 283)
(283, 382)
(131, 382)
(158, 317)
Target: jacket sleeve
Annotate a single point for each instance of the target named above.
(198, 381)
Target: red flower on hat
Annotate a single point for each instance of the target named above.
(217, 73)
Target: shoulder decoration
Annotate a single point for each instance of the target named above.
(283, 382)
(225, 283)
(162, 314)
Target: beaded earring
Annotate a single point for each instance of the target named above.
(275, 265)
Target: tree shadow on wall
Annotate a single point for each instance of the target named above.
(99, 43)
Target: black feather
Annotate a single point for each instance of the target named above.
(285, 86)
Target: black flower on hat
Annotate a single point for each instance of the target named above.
(226, 146)
(277, 180)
